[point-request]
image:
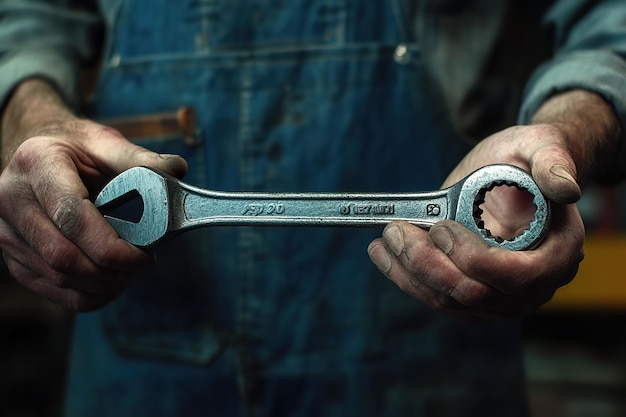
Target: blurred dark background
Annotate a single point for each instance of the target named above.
(34, 343)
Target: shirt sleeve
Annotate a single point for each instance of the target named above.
(48, 39)
(590, 54)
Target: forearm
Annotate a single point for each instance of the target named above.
(592, 133)
(34, 105)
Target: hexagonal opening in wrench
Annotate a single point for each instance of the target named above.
(127, 207)
(504, 211)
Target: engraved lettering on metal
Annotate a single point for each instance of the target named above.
(275, 208)
(263, 209)
(433, 210)
(253, 210)
(368, 209)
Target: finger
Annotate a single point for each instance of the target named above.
(435, 267)
(56, 232)
(65, 228)
(94, 280)
(101, 282)
(435, 288)
(551, 165)
(32, 273)
(521, 273)
(72, 237)
(466, 287)
(69, 298)
(394, 270)
(421, 270)
(80, 222)
(556, 180)
(60, 262)
(118, 154)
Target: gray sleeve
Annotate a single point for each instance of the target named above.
(590, 54)
(48, 39)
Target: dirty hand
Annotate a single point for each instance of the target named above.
(54, 240)
(453, 270)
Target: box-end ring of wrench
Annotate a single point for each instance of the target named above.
(171, 206)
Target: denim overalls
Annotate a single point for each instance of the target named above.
(290, 95)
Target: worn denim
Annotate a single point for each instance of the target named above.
(298, 95)
(301, 96)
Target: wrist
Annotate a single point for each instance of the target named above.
(590, 129)
(33, 106)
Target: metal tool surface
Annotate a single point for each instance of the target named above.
(171, 206)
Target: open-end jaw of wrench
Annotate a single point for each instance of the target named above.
(171, 206)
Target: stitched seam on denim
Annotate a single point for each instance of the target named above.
(400, 21)
(236, 59)
(204, 13)
(247, 236)
(341, 26)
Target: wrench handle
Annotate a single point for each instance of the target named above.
(204, 207)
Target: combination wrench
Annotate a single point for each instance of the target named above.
(170, 206)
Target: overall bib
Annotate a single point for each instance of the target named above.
(291, 96)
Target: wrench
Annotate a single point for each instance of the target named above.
(171, 206)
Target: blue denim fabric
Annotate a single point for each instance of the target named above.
(305, 95)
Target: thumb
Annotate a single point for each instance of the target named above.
(172, 164)
(555, 174)
(119, 154)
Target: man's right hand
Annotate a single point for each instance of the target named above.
(53, 238)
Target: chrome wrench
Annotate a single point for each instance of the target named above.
(171, 206)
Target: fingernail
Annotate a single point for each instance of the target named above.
(168, 155)
(176, 164)
(562, 172)
(395, 240)
(381, 258)
(442, 237)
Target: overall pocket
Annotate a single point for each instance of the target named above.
(169, 313)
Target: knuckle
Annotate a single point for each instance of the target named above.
(417, 265)
(60, 280)
(25, 159)
(105, 258)
(550, 133)
(473, 296)
(106, 131)
(414, 265)
(61, 256)
(32, 155)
